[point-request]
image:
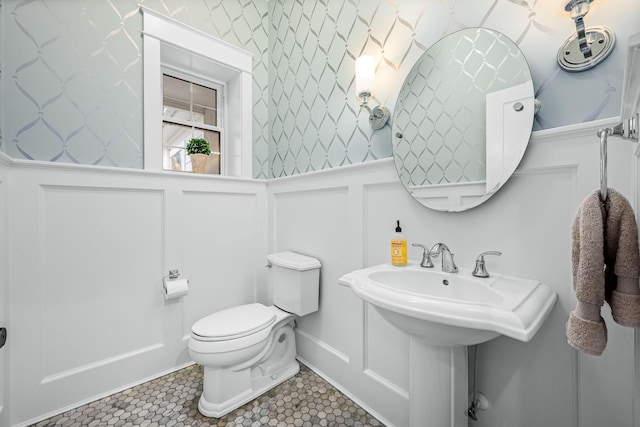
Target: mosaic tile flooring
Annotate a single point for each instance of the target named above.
(305, 400)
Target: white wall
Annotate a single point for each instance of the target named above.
(345, 218)
(88, 250)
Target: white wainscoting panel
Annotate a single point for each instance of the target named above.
(220, 262)
(89, 247)
(382, 344)
(97, 246)
(313, 223)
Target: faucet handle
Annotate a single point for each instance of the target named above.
(480, 270)
(426, 256)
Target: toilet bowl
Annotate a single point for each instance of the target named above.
(249, 349)
(245, 351)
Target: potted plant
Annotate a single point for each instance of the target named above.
(198, 149)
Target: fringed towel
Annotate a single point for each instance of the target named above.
(606, 266)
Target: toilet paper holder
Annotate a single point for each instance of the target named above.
(173, 286)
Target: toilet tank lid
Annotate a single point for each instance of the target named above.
(293, 261)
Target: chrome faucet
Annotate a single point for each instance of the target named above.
(426, 256)
(448, 265)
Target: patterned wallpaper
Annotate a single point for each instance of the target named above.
(72, 80)
(72, 90)
(73, 74)
(314, 114)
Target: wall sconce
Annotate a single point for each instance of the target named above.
(365, 77)
(589, 46)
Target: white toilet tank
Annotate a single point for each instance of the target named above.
(296, 282)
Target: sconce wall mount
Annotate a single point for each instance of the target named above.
(378, 116)
(589, 46)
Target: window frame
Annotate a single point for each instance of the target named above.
(173, 47)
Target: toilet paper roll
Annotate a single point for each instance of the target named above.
(175, 288)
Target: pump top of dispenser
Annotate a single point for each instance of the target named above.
(398, 229)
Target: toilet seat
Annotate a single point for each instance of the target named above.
(233, 323)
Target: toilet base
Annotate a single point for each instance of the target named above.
(226, 389)
(264, 384)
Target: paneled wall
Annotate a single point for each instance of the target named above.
(86, 250)
(89, 248)
(345, 218)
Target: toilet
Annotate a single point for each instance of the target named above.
(249, 349)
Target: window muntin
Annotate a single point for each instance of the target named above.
(190, 110)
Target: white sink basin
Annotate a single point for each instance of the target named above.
(452, 309)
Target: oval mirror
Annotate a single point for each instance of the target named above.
(463, 119)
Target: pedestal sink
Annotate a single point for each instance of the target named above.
(444, 313)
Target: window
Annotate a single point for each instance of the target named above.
(189, 110)
(195, 85)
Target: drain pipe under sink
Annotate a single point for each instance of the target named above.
(478, 400)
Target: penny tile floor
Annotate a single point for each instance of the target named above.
(305, 400)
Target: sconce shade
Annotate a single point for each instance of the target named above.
(365, 76)
(577, 8)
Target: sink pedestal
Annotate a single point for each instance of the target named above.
(438, 388)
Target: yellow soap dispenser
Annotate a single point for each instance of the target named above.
(398, 248)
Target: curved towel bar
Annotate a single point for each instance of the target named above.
(626, 129)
